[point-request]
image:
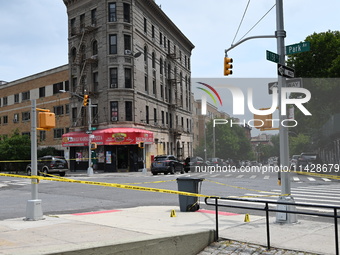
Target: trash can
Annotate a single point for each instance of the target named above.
(188, 184)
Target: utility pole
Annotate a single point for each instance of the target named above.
(283, 133)
(33, 207)
(90, 169)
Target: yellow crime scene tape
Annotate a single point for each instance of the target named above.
(114, 185)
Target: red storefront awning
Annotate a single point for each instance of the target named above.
(109, 136)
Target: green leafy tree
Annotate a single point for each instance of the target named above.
(318, 65)
(230, 142)
(15, 152)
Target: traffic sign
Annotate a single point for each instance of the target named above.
(294, 83)
(285, 71)
(272, 85)
(271, 56)
(297, 48)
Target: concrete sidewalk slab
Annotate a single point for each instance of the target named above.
(143, 225)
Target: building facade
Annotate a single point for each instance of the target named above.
(134, 63)
(44, 87)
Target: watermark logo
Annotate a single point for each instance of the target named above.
(204, 99)
(238, 99)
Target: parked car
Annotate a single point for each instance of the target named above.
(166, 164)
(192, 162)
(293, 162)
(306, 159)
(216, 161)
(50, 165)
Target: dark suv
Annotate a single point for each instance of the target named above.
(166, 164)
(306, 159)
(50, 165)
(191, 162)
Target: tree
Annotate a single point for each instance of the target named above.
(15, 152)
(230, 142)
(319, 64)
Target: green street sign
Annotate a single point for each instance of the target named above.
(297, 48)
(93, 128)
(271, 56)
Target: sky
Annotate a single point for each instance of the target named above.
(34, 36)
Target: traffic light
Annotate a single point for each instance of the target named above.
(263, 122)
(86, 100)
(141, 145)
(46, 120)
(228, 66)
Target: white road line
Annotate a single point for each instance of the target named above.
(252, 177)
(266, 177)
(326, 179)
(311, 179)
(296, 179)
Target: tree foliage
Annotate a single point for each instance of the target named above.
(319, 65)
(15, 151)
(230, 142)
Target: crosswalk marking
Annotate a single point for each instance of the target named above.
(266, 177)
(239, 176)
(326, 179)
(296, 179)
(252, 177)
(311, 179)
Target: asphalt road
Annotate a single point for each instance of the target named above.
(64, 197)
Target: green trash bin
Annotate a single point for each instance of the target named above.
(188, 184)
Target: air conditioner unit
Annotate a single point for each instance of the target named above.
(114, 118)
(127, 52)
(94, 57)
(15, 121)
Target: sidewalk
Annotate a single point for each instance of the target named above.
(124, 231)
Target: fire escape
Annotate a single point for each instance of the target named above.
(83, 62)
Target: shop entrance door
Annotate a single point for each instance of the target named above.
(123, 158)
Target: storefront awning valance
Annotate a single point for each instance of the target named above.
(109, 136)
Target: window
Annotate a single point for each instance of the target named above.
(154, 87)
(73, 26)
(42, 135)
(128, 80)
(26, 116)
(67, 108)
(114, 110)
(74, 114)
(126, 12)
(113, 44)
(5, 101)
(153, 60)
(145, 26)
(42, 92)
(74, 83)
(112, 12)
(146, 84)
(58, 132)
(113, 78)
(94, 17)
(0, 102)
(95, 81)
(16, 98)
(128, 110)
(147, 114)
(58, 110)
(162, 116)
(57, 87)
(26, 133)
(82, 22)
(95, 114)
(5, 119)
(25, 95)
(153, 31)
(127, 43)
(67, 85)
(160, 38)
(161, 66)
(155, 115)
(94, 48)
(16, 118)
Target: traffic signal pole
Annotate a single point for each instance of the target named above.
(285, 197)
(283, 133)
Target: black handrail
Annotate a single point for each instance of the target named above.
(266, 208)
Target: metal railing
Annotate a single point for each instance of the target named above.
(266, 208)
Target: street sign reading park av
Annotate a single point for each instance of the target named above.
(297, 48)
